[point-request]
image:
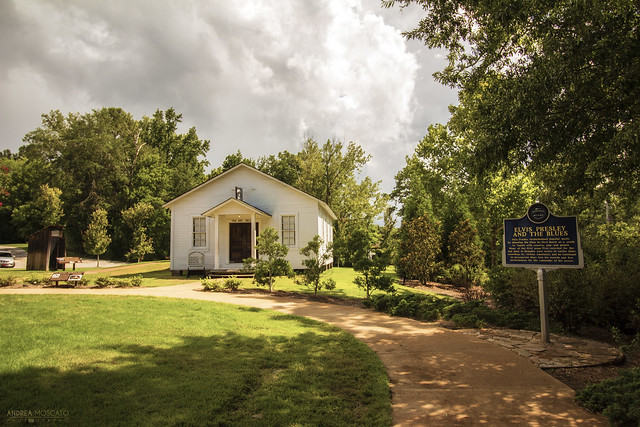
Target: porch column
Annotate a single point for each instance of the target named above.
(216, 242)
(253, 235)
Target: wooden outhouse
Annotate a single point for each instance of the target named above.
(44, 246)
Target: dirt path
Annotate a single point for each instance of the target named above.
(438, 376)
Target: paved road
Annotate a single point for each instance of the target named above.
(438, 377)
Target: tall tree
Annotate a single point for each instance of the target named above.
(544, 82)
(420, 244)
(370, 259)
(330, 173)
(10, 165)
(231, 161)
(465, 255)
(108, 159)
(96, 236)
(324, 170)
(285, 167)
(435, 175)
(44, 210)
(136, 218)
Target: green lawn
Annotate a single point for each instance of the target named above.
(154, 273)
(345, 288)
(107, 360)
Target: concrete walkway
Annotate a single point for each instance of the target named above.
(438, 377)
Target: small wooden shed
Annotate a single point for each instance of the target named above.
(44, 247)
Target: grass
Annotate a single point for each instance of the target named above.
(105, 360)
(345, 288)
(154, 273)
(157, 273)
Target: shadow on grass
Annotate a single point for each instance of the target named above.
(228, 379)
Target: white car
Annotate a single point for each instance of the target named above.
(7, 259)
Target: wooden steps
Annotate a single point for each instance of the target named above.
(223, 274)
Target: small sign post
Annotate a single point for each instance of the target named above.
(542, 241)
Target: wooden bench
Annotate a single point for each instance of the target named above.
(196, 262)
(70, 278)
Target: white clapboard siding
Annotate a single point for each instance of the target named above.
(261, 195)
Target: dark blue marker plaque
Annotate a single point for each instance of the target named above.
(542, 240)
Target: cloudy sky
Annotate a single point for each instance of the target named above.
(254, 75)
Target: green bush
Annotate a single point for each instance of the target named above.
(112, 282)
(8, 281)
(466, 320)
(629, 347)
(429, 308)
(83, 282)
(426, 313)
(618, 399)
(106, 282)
(37, 280)
(134, 281)
(605, 291)
(213, 285)
(219, 285)
(513, 288)
(232, 283)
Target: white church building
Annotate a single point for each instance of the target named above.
(214, 226)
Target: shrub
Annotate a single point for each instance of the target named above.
(83, 282)
(513, 288)
(134, 281)
(213, 285)
(629, 347)
(466, 320)
(232, 283)
(36, 280)
(605, 291)
(429, 308)
(475, 294)
(8, 281)
(318, 254)
(618, 399)
(105, 282)
(271, 262)
(108, 282)
(427, 314)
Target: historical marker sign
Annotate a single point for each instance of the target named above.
(542, 240)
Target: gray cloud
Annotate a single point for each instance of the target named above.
(256, 75)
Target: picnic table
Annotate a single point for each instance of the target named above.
(69, 277)
(68, 259)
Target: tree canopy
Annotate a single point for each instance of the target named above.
(107, 160)
(329, 172)
(544, 83)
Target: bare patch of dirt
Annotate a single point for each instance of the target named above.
(579, 378)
